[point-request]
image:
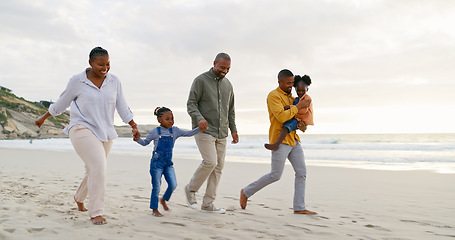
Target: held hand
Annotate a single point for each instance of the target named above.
(136, 134)
(304, 102)
(203, 125)
(302, 126)
(203, 128)
(39, 122)
(235, 138)
(41, 119)
(287, 107)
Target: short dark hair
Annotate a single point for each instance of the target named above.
(305, 79)
(284, 74)
(159, 111)
(222, 56)
(98, 51)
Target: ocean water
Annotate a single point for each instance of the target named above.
(434, 152)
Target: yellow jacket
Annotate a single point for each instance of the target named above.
(276, 100)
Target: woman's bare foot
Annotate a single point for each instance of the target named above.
(80, 206)
(156, 213)
(98, 220)
(163, 202)
(308, 212)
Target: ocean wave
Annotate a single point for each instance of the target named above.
(407, 150)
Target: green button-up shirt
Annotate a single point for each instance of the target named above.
(212, 98)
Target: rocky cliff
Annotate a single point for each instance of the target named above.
(17, 119)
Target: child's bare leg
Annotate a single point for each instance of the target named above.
(284, 132)
(156, 213)
(80, 206)
(163, 202)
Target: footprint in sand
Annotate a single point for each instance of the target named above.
(376, 227)
(174, 223)
(34, 229)
(41, 215)
(307, 230)
(10, 230)
(137, 198)
(230, 209)
(246, 213)
(232, 198)
(316, 225)
(218, 238)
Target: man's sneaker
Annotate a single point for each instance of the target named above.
(212, 209)
(190, 198)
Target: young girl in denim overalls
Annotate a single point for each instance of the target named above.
(163, 138)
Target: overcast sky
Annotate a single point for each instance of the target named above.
(376, 66)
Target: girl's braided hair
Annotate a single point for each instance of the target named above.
(159, 111)
(304, 79)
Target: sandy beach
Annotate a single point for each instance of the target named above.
(37, 190)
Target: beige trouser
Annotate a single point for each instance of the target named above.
(94, 154)
(213, 151)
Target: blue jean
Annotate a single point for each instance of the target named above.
(158, 168)
(291, 125)
(161, 164)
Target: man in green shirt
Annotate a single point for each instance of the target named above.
(211, 103)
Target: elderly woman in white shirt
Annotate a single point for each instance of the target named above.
(93, 95)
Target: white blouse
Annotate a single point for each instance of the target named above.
(93, 107)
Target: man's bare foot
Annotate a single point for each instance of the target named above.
(163, 202)
(156, 213)
(80, 206)
(270, 146)
(98, 220)
(243, 199)
(305, 212)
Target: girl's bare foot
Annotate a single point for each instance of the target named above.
(80, 206)
(163, 202)
(98, 220)
(156, 213)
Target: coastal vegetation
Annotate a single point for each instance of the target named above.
(18, 115)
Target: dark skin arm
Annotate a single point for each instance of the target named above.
(303, 103)
(235, 138)
(302, 126)
(41, 119)
(136, 135)
(204, 125)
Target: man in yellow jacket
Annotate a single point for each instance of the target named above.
(290, 147)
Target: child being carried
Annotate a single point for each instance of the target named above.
(304, 114)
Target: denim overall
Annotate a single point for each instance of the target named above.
(292, 124)
(161, 164)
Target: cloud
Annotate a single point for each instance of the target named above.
(358, 53)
